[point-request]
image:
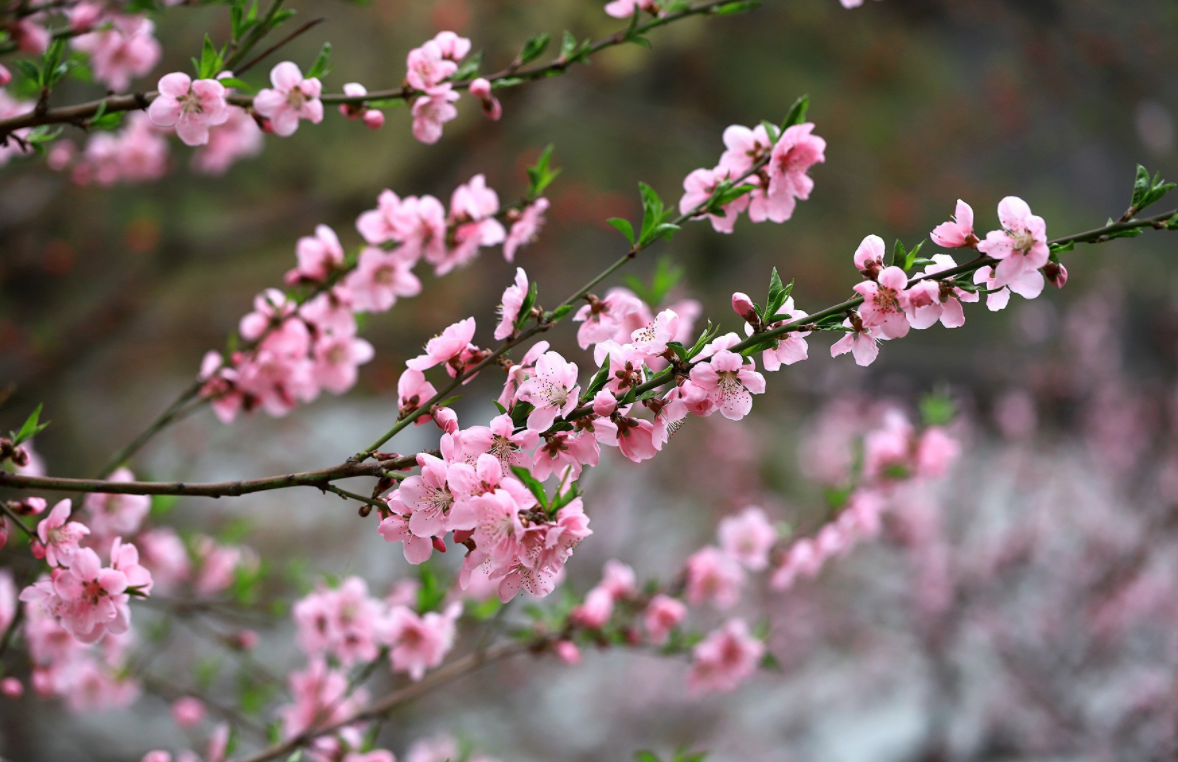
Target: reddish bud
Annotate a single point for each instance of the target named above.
(373, 119)
(1056, 274)
(439, 544)
(5, 76)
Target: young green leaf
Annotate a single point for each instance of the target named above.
(469, 68)
(536, 488)
(32, 426)
(322, 66)
(624, 226)
(533, 48)
(797, 113)
(525, 309)
(541, 174)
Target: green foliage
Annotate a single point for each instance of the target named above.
(1147, 191)
(533, 485)
(937, 408)
(541, 174)
(655, 218)
(573, 51)
(624, 226)
(469, 68)
(533, 48)
(31, 427)
(525, 309)
(739, 6)
(778, 294)
(665, 277)
(903, 258)
(432, 591)
(797, 113)
(322, 66)
(211, 61)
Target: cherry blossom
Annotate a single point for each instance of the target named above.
(509, 306)
(552, 389)
(123, 49)
(59, 537)
(713, 577)
(747, 538)
(729, 381)
(291, 99)
(192, 107)
(525, 228)
(431, 111)
(663, 614)
(1020, 246)
(420, 642)
(724, 659)
(861, 340)
(958, 232)
(445, 348)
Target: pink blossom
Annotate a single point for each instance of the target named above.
(747, 538)
(137, 153)
(447, 347)
(192, 107)
(420, 228)
(568, 652)
(376, 755)
(164, 555)
(596, 609)
(745, 148)
(698, 188)
(1020, 246)
(509, 306)
(427, 497)
(317, 255)
(11, 687)
(862, 341)
(188, 712)
(452, 46)
(651, 340)
(618, 580)
(330, 313)
(89, 599)
(395, 528)
(789, 348)
(29, 36)
(321, 698)
(420, 642)
(793, 154)
(869, 256)
(1028, 285)
(884, 303)
(337, 359)
(472, 212)
(663, 614)
(412, 391)
(115, 515)
(379, 279)
(932, 300)
(59, 536)
(500, 440)
(380, 225)
(126, 48)
(428, 66)
(713, 577)
(603, 318)
(958, 232)
(292, 98)
(238, 137)
(725, 658)
(525, 228)
(218, 564)
(729, 380)
(623, 9)
(7, 599)
(431, 111)
(492, 108)
(565, 452)
(552, 389)
(935, 452)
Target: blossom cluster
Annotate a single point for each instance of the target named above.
(302, 346)
(893, 303)
(775, 166)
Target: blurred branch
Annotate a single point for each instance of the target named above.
(509, 77)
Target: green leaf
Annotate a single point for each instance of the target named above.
(1059, 248)
(541, 174)
(322, 66)
(31, 427)
(1141, 186)
(778, 294)
(533, 48)
(624, 226)
(1147, 191)
(910, 259)
(899, 254)
(525, 309)
(740, 6)
(1172, 223)
(536, 488)
(646, 756)
(772, 130)
(597, 383)
(210, 61)
(469, 68)
(654, 217)
(573, 51)
(797, 113)
(937, 409)
(432, 592)
(560, 312)
(238, 84)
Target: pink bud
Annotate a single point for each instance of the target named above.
(439, 544)
(3, 531)
(157, 756)
(1056, 273)
(373, 119)
(742, 305)
(11, 687)
(188, 712)
(480, 88)
(5, 76)
(568, 652)
(245, 640)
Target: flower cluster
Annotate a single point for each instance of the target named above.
(302, 346)
(775, 166)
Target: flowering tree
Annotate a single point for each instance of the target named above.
(503, 492)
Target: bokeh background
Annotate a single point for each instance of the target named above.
(1024, 609)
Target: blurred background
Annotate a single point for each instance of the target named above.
(1023, 609)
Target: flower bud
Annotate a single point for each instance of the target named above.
(373, 119)
(1056, 274)
(568, 652)
(742, 305)
(5, 76)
